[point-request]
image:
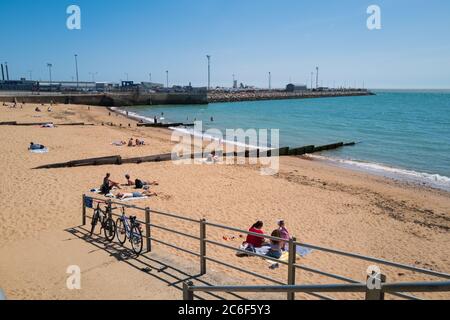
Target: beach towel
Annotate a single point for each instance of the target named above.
(303, 252)
(133, 199)
(46, 150)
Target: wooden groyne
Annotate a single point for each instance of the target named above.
(29, 124)
(165, 125)
(250, 153)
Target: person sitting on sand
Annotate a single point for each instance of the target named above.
(212, 157)
(130, 195)
(37, 109)
(140, 142)
(275, 246)
(139, 184)
(35, 146)
(108, 184)
(130, 142)
(253, 240)
(284, 235)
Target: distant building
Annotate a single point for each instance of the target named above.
(296, 87)
(19, 85)
(151, 85)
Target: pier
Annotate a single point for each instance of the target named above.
(257, 95)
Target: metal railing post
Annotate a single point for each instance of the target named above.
(109, 202)
(374, 292)
(202, 247)
(291, 266)
(188, 294)
(83, 216)
(147, 230)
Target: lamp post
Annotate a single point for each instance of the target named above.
(270, 80)
(93, 74)
(167, 78)
(317, 77)
(49, 65)
(209, 71)
(76, 69)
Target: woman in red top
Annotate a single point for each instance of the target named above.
(253, 240)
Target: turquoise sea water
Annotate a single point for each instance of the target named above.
(399, 133)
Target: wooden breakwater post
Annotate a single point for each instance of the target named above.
(111, 160)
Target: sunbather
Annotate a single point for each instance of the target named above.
(35, 146)
(108, 184)
(140, 142)
(255, 241)
(275, 248)
(130, 142)
(284, 235)
(139, 184)
(123, 196)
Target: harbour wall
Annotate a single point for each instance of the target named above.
(107, 99)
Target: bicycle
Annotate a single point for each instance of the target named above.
(129, 228)
(107, 223)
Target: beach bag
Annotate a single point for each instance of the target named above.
(139, 184)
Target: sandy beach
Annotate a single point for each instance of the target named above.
(322, 205)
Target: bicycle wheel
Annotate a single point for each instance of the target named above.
(110, 229)
(95, 219)
(136, 240)
(121, 231)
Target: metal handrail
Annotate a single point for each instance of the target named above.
(189, 288)
(292, 265)
(372, 259)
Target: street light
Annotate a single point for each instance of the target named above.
(76, 68)
(93, 74)
(49, 65)
(167, 78)
(270, 80)
(209, 71)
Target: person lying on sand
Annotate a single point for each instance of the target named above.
(130, 195)
(35, 146)
(108, 184)
(139, 184)
(119, 143)
(139, 143)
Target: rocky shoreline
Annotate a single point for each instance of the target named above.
(221, 96)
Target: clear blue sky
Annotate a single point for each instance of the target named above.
(246, 37)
